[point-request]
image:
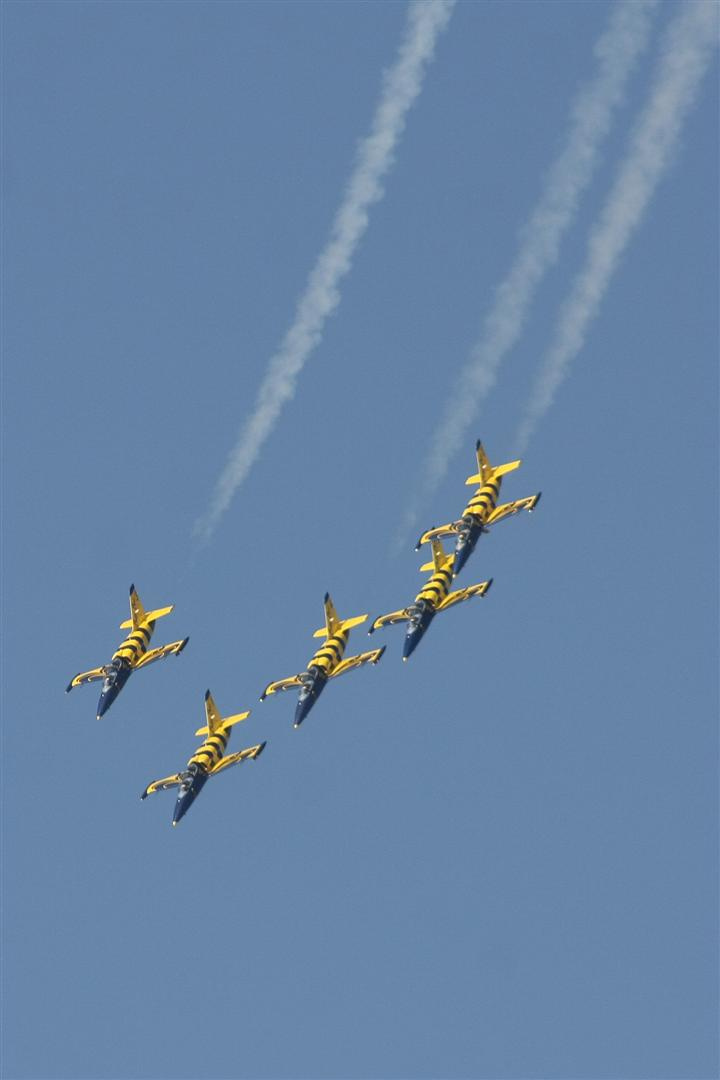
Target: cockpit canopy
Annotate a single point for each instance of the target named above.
(415, 613)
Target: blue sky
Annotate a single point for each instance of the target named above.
(498, 860)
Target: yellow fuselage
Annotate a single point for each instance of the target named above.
(135, 644)
(484, 500)
(436, 588)
(327, 658)
(209, 754)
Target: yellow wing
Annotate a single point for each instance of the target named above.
(249, 754)
(161, 785)
(281, 684)
(508, 509)
(356, 661)
(174, 648)
(84, 677)
(387, 620)
(436, 532)
(459, 595)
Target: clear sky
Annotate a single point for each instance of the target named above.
(499, 860)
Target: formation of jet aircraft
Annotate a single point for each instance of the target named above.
(328, 661)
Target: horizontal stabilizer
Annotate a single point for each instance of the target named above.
(150, 616)
(440, 560)
(226, 722)
(343, 624)
(495, 471)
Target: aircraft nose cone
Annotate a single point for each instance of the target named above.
(302, 708)
(412, 640)
(106, 700)
(181, 808)
(462, 554)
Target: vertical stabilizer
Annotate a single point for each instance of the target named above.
(440, 559)
(486, 471)
(137, 611)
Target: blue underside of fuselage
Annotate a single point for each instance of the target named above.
(306, 703)
(108, 696)
(465, 547)
(188, 797)
(415, 634)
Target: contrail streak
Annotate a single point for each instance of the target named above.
(687, 51)
(401, 85)
(591, 119)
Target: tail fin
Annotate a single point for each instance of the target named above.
(216, 722)
(138, 615)
(486, 470)
(333, 623)
(440, 560)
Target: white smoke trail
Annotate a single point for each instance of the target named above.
(687, 51)
(401, 85)
(591, 119)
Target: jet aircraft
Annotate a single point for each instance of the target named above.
(433, 597)
(208, 759)
(326, 663)
(131, 655)
(481, 511)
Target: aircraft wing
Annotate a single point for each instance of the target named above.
(508, 509)
(281, 684)
(174, 648)
(249, 754)
(85, 677)
(387, 620)
(436, 532)
(459, 595)
(357, 661)
(161, 785)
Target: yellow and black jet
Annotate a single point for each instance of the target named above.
(131, 655)
(434, 596)
(208, 760)
(326, 663)
(481, 511)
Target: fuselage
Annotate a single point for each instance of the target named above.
(124, 659)
(422, 612)
(319, 669)
(473, 521)
(197, 771)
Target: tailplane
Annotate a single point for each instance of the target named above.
(486, 471)
(138, 615)
(440, 560)
(333, 624)
(216, 722)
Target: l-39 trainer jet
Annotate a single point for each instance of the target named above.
(481, 511)
(326, 663)
(132, 655)
(207, 761)
(433, 597)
